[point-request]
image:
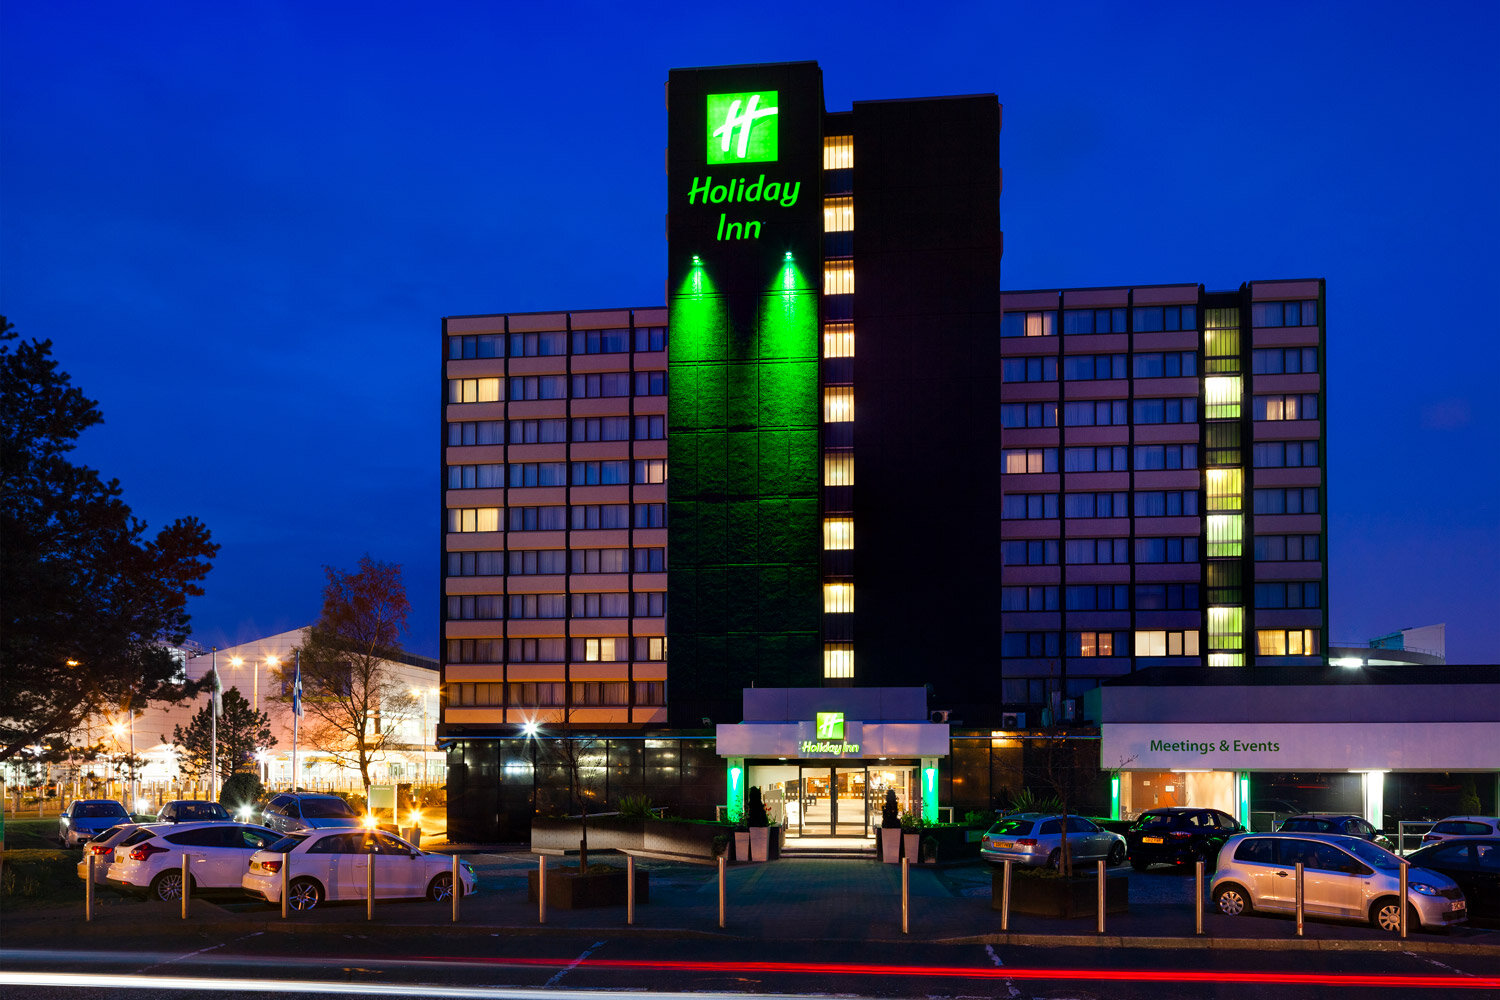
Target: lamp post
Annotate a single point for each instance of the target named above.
(531, 729)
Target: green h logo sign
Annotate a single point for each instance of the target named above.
(831, 726)
(742, 128)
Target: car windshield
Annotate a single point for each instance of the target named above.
(99, 810)
(1011, 826)
(330, 808)
(285, 844)
(201, 810)
(1153, 819)
(104, 835)
(1372, 854)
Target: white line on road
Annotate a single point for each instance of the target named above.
(1440, 965)
(575, 963)
(200, 951)
(1010, 984)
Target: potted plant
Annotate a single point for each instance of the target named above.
(759, 823)
(911, 834)
(890, 829)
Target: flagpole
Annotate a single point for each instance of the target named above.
(296, 715)
(213, 753)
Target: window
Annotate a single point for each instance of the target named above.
(1030, 644)
(603, 385)
(1221, 396)
(1303, 406)
(1285, 454)
(1283, 360)
(1095, 505)
(838, 340)
(1093, 321)
(1029, 324)
(1225, 488)
(538, 387)
(536, 562)
(1022, 460)
(1166, 456)
(1090, 551)
(838, 277)
(538, 606)
(537, 431)
(1152, 319)
(1028, 415)
(588, 693)
(475, 650)
(1292, 500)
(650, 383)
(838, 152)
(1296, 594)
(466, 519)
(1221, 340)
(598, 560)
(1106, 458)
(650, 648)
(612, 341)
(1097, 597)
(600, 605)
(1028, 506)
(650, 692)
(604, 428)
(1166, 411)
(1287, 642)
(650, 338)
(1166, 503)
(474, 390)
(1303, 312)
(475, 477)
(1029, 370)
(1029, 552)
(1093, 413)
(484, 345)
(1097, 643)
(650, 560)
(838, 404)
(469, 432)
(1165, 364)
(538, 474)
(1150, 642)
(650, 471)
(1166, 550)
(651, 604)
(838, 533)
(838, 468)
(1041, 598)
(1287, 548)
(1088, 367)
(838, 598)
(536, 518)
(650, 515)
(651, 428)
(838, 659)
(486, 563)
(535, 650)
(532, 345)
(1166, 597)
(599, 516)
(838, 214)
(479, 607)
(534, 694)
(1226, 534)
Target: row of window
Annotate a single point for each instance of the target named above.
(614, 472)
(547, 562)
(552, 650)
(1148, 503)
(1285, 454)
(1093, 551)
(1288, 500)
(1302, 406)
(578, 517)
(495, 607)
(1150, 364)
(591, 386)
(1295, 594)
(1147, 319)
(647, 427)
(1287, 642)
(1303, 312)
(555, 342)
(1288, 548)
(1283, 360)
(1101, 597)
(543, 694)
(1103, 458)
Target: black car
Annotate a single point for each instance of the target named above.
(1179, 836)
(1472, 862)
(1343, 823)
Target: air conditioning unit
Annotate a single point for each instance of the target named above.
(941, 715)
(1012, 720)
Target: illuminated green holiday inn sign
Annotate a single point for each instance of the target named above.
(742, 128)
(830, 741)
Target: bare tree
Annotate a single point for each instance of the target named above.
(576, 755)
(353, 702)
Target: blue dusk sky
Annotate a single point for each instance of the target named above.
(241, 225)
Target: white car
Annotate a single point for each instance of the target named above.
(1451, 827)
(335, 865)
(102, 847)
(150, 859)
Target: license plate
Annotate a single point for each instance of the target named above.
(1151, 840)
(1457, 904)
(1004, 845)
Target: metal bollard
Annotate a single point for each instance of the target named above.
(1005, 897)
(721, 890)
(1404, 869)
(458, 888)
(88, 887)
(187, 885)
(630, 889)
(370, 888)
(1101, 895)
(1198, 902)
(905, 895)
(541, 889)
(286, 878)
(1300, 901)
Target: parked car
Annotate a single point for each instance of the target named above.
(85, 818)
(1472, 862)
(102, 847)
(1343, 877)
(1179, 836)
(299, 812)
(191, 811)
(334, 865)
(1344, 823)
(149, 860)
(1037, 840)
(1461, 826)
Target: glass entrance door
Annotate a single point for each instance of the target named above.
(833, 802)
(851, 803)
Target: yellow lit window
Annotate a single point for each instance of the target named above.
(838, 533)
(474, 519)
(838, 404)
(1287, 642)
(1221, 397)
(1226, 488)
(838, 277)
(838, 340)
(1226, 659)
(1096, 644)
(838, 152)
(838, 598)
(1225, 534)
(838, 214)
(1158, 642)
(474, 390)
(599, 649)
(838, 659)
(838, 468)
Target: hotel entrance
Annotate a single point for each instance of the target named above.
(825, 800)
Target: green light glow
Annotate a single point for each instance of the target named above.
(736, 789)
(1225, 535)
(1244, 809)
(1226, 627)
(929, 792)
(1114, 796)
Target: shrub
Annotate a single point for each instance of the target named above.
(241, 790)
(911, 821)
(635, 807)
(890, 812)
(1028, 801)
(978, 818)
(755, 809)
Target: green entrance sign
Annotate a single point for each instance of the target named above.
(830, 725)
(743, 128)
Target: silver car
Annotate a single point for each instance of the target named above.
(1343, 877)
(85, 818)
(1029, 839)
(300, 812)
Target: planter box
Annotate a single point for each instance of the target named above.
(571, 891)
(606, 833)
(693, 839)
(890, 845)
(760, 843)
(911, 845)
(741, 845)
(1061, 897)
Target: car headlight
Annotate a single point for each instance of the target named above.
(1423, 888)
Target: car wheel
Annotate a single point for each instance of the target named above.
(1232, 901)
(1386, 915)
(440, 890)
(304, 893)
(1116, 855)
(1054, 860)
(167, 886)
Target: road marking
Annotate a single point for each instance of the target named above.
(200, 951)
(1010, 984)
(575, 964)
(1433, 961)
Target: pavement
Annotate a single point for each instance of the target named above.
(793, 899)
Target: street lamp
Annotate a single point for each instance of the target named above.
(236, 662)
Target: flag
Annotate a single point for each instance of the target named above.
(218, 693)
(297, 688)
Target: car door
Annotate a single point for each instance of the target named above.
(203, 848)
(332, 860)
(231, 859)
(397, 873)
(1278, 884)
(1334, 882)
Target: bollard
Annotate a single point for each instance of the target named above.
(721, 890)
(457, 888)
(88, 887)
(1101, 895)
(1299, 899)
(905, 895)
(187, 883)
(1404, 868)
(630, 888)
(370, 888)
(1005, 897)
(1198, 903)
(286, 878)
(541, 889)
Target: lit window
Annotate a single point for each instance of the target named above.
(599, 649)
(838, 533)
(1096, 644)
(838, 404)
(1225, 534)
(1225, 489)
(1287, 642)
(1166, 643)
(838, 152)
(1221, 397)
(473, 390)
(838, 277)
(838, 214)
(838, 659)
(838, 468)
(474, 519)
(1226, 627)
(1226, 659)
(838, 598)
(838, 340)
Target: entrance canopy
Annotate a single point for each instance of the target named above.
(832, 723)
